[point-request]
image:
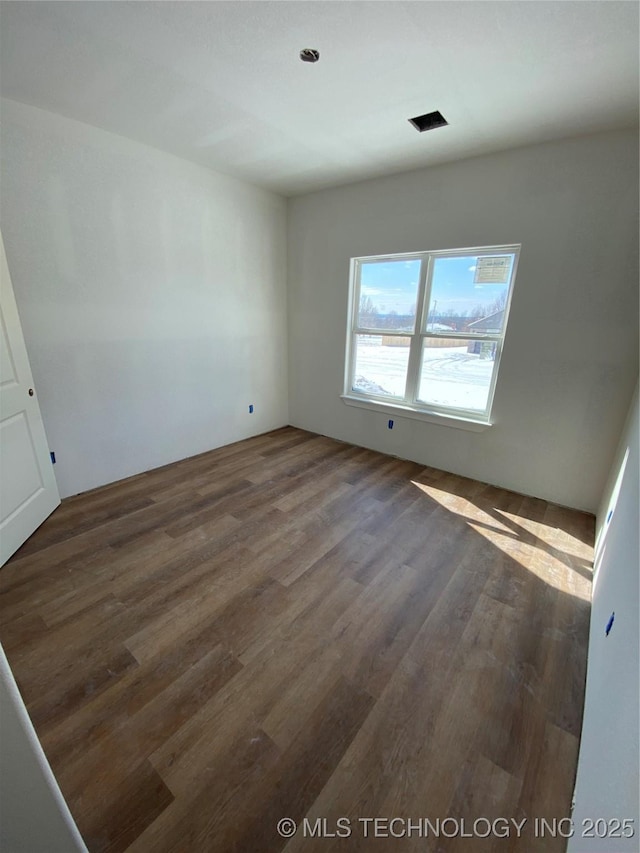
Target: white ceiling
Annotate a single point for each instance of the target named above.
(221, 84)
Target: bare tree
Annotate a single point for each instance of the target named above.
(367, 305)
(498, 304)
(368, 311)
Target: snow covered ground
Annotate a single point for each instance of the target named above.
(450, 375)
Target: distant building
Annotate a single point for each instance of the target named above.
(440, 327)
(486, 325)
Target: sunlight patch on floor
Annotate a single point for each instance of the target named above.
(461, 506)
(526, 541)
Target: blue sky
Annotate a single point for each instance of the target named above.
(393, 285)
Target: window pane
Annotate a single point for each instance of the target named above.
(456, 373)
(388, 295)
(381, 365)
(469, 294)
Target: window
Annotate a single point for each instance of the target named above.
(426, 331)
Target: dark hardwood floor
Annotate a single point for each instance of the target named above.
(295, 627)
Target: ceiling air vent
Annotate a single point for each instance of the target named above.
(309, 54)
(428, 121)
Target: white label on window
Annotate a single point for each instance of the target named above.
(492, 270)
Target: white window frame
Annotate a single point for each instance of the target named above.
(410, 406)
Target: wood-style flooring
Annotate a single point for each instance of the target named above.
(295, 627)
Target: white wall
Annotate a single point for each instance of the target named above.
(34, 817)
(608, 766)
(152, 295)
(570, 357)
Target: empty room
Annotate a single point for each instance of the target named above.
(319, 426)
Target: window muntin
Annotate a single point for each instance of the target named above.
(427, 329)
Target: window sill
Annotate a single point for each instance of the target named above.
(458, 422)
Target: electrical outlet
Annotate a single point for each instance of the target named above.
(251, 409)
(390, 424)
(53, 457)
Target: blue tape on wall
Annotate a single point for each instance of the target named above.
(609, 624)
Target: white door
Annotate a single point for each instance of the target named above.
(28, 490)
